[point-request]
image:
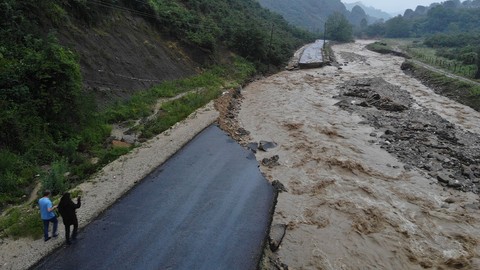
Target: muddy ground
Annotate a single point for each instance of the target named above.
(379, 172)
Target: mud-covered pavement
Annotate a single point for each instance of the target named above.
(374, 164)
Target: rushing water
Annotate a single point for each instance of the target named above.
(350, 204)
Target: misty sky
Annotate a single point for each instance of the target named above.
(394, 5)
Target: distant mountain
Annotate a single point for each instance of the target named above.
(371, 11)
(310, 14)
(451, 4)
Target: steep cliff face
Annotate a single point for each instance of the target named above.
(125, 53)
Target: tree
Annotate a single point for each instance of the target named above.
(397, 27)
(376, 30)
(338, 28)
(477, 75)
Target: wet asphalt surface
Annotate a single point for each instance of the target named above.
(207, 207)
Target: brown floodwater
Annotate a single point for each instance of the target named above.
(350, 204)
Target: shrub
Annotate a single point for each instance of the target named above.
(55, 180)
(21, 221)
(109, 155)
(15, 173)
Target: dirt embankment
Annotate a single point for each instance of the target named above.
(379, 172)
(125, 53)
(461, 90)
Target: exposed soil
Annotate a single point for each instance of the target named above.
(379, 171)
(228, 106)
(125, 54)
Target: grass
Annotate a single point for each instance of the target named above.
(177, 110)
(428, 55)
(461, 91)
(21, 221)
(141, 104)
(385, 47)
(24, 220)
(415, 49)
(380, 47)
(208, 86)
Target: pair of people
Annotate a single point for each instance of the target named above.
(66, 208)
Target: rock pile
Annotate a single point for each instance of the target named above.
(416, 135)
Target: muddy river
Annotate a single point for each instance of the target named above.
(351, 201)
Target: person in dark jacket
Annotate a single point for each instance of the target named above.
(67, 209)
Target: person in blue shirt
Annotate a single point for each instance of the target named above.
(47, 214)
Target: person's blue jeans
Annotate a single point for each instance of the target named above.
(46, 222)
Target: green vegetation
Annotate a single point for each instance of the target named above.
(240, 25)
(308, 14)
(450, 33)
(384, 47)
(437, 57)
(206, 86)
(21, 221)
(338, 28)
(438, 19)
(461, 91)
(46, 117)
(52, 132)
(380, 47)
(43, 108)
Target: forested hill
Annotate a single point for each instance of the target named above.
(451, 28)
(199, 27)
(55, 53)
(308, 14)
(312, 14)
(450, 17)
(371, 11)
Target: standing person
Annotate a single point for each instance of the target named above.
(67, 208)
(47, 214)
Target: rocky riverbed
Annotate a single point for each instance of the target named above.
(417, 136)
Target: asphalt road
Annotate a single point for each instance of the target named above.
(208, 207)
(312, 56)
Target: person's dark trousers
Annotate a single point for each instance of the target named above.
(46, 223)
(74, 233)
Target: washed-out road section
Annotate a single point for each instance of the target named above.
(208, 207)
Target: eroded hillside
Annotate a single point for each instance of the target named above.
(125, 53)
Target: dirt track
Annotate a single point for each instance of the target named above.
(351, 204)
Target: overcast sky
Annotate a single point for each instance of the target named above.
(394, 5)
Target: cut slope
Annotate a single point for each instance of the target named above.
(125, 54)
